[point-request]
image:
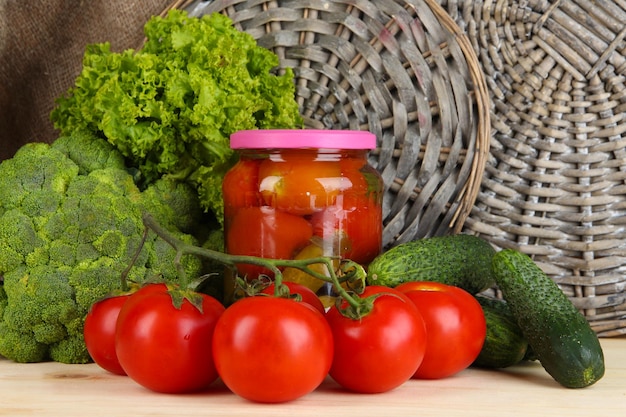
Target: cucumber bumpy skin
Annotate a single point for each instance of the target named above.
(461, 260)
(558, 334)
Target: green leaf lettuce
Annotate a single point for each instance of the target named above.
(170, 107)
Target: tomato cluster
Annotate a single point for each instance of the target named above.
(273, 348)
(274, 205)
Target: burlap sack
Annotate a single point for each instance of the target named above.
(41, 49)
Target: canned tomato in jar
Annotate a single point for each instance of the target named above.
(298, 194)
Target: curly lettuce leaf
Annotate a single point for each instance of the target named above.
(171, 107)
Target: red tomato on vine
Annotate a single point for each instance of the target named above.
(272, 349)
(99, 333)
(164, 347)
(380, 350)
(455, 324)
(306, 294)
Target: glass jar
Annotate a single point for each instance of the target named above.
(300, 194)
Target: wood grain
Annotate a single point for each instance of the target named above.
(53, 389)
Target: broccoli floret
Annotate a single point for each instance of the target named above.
(174, 204)
(87, 153)
(34, 169)
(70, 224)
(71, 349)
(21, 346)
(215, 240)
(20, 239)
(40, 304)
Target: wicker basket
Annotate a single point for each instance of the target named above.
(555, 181)
(400, 69)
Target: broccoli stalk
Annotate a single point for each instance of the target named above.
(70, 223)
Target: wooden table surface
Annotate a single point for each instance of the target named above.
(59, 390)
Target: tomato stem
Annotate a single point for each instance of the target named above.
(350, 269)
(124, 287)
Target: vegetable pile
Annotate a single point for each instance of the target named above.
(278, 345)
(108, 228)
(370, 341)
(140, 132)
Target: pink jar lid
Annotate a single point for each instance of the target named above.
(302, 138)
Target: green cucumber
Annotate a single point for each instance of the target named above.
(505, 344)
(461, 260)
(558, 334)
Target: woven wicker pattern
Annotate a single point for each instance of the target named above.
(400, 69)
(555, 182)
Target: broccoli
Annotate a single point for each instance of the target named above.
(70, 224)
(82, 148)
(3, 300)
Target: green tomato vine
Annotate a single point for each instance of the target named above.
(347, 271)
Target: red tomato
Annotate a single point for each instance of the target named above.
(267, 233)
(308, 296)
(163, 348)
(299, 184)
(353, 170)
(381, 350)
(356, 216)
(241, 186)
(359, 218)
(272, 350)
(455, 324)
(99, 333)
